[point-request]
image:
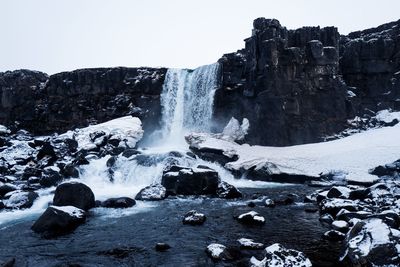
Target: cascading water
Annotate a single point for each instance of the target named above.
(187, 102)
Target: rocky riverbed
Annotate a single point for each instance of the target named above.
(128, 237)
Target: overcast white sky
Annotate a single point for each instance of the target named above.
(59, 35)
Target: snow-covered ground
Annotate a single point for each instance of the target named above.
(354, 155)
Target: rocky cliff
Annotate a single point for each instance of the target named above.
(370, 64)
(287, 83)
(45, 104)
(299, 86)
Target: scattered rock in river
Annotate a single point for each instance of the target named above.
(152, 193)
(74, 194)
(194, 218)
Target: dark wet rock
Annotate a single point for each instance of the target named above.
(228, 191)
(120, 253)
(47, 150)
(130, 152)
(8, 263)
(21, 200)
(392, 169)
(339, 192)
(70, 171)
(194, 218)
(333, 235)
(277, 255)
(334, 205)
(31, 171)
(251, 218)
(194, 181)
(74, 194)
(60, 220)
(348, 215)
(246, 243)
(251, 204)
(284, 201)
(71, 144)
(162, 247)
(2, 206)
(111, 161)
(50, 177)
(6, 188)
(371, 241)
(152, 192)
(120, 202)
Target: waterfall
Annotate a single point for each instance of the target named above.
(187, 101)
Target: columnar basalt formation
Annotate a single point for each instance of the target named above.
(287, 83)
(370, 64)
(67, 100)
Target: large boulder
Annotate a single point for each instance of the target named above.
(372, 242)
(191, 181)
(74, 194)
(152, 193)
(278, 256)
(58, 220)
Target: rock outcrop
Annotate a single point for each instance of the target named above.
(286, 83)
(45, 104)
(370, 64)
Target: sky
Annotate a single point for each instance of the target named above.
(63, 35)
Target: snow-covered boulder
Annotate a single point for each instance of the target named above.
(372, 242)
(152, 193)
(251, 218)
(278, 256)
(247, 243)
(58, 220)
(216, 251)
(20, 200)
(194, 218)
(341, 226)
(228, 191)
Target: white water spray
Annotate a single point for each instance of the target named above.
(187, 102)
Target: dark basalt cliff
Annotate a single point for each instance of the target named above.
(370, 63)
(287, 83)
(294, 86)
(67, 100)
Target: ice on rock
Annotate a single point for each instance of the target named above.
(233, 131)
(71, 210)
(249, 243)
(278, 256)
(215, 250)
(4, 130)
